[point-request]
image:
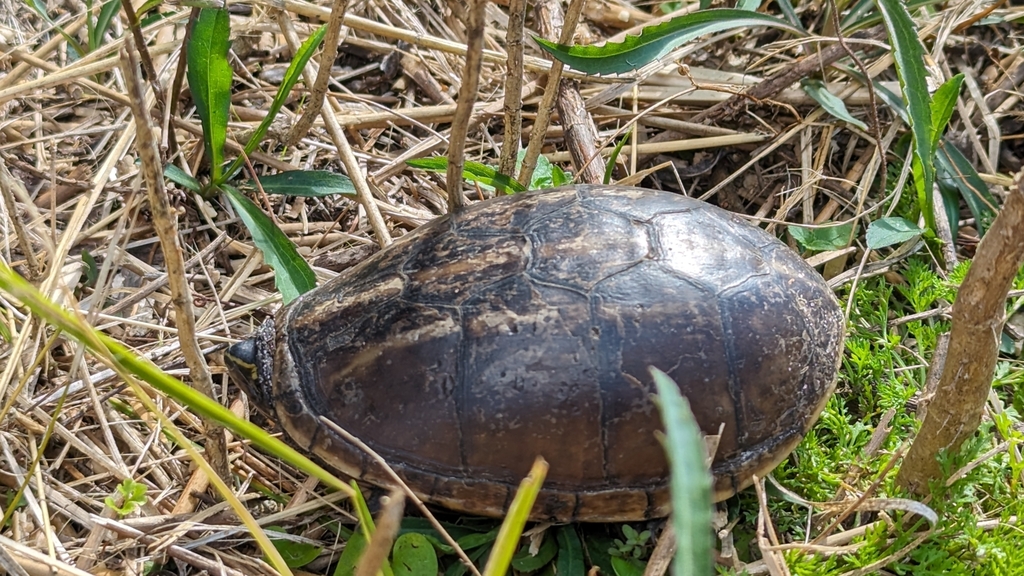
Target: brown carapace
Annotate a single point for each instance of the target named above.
(525, 326)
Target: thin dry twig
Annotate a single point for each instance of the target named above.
(467, 98)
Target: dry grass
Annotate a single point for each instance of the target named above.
(75, 196)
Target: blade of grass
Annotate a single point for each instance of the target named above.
(609, 168)
(106, 16)
(209, 79)
(291, 77)
(512, 527)
(690, 480)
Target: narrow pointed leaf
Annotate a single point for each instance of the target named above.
(957, 171)
(308, 183)
(209, 80)
(515, 520)
(570, 552)
(175, 174)
(103, 21)
(656, 41)
(817, 90)
(689, 480)
(609, 169)
(909, 55)
(943, 104)
(291, 77)
(292, 275)
(472, 171)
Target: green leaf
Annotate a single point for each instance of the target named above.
(823, 237)
(175, 174)
(295, 554)
(689, 481)
(889, 231)
(817, 90)
(546, 175)
(459, 569)
(133, 495)
(633, 567)
(209, 79)
(291, 77)
(308, 183)
(596, 544)
(909, 56)
(477, 540)
(350, 555)
(292, 275)
(943, 104)
(570, 552)
(609, 168)
(103, 20)
(957, 171)
(523, 561)
(148, 5)
(515, 520)
(472, 171)
(653, 42)
(413, 556)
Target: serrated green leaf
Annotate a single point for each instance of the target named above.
(209, 80)
(291, 77)
(817, 90)
(295, 554)
(570, 552)
(413, 555)
(471, 171)
(523, 561)
(823, 237)
(175, 174)
(943, 104)
(350, 555)
(307, 183)
(909, 55)
(689, 480)
(292, 275)
(653, 42)
(890, 231)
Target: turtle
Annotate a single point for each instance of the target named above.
(526, 326)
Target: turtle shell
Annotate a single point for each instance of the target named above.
(525, 326)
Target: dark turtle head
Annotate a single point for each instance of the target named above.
(251, 365)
